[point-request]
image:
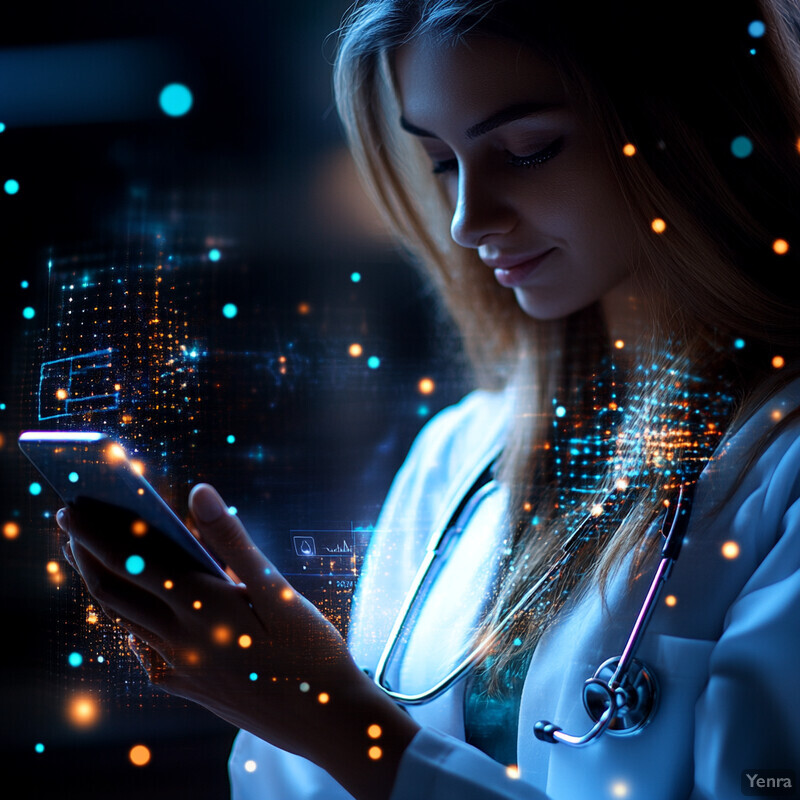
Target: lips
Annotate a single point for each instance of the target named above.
(512, 271)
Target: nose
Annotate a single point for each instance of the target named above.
(482, 209)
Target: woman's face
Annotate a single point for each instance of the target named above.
(529, 182)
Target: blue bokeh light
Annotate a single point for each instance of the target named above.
(738, 344)
(28, 312)
(24, 284)
(741, 147)
(214, 254)
(75, 659)
(373, 362)
(39, 747)
(229, 310)
(134, 565)
(35, 488)
(756, 28)
(73, 477)
(11, 186)
(231, 438)
(175, 99)
(355, 277)
(561, 411)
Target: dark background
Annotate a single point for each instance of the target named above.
(257, 163)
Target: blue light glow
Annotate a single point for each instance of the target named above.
(423, 411)
(253, 676)
(741, 147)
(175, 99)
(24, 284)
(134, 565)
(756, 28)
(73, 477)
(229, 310)
(738, 344)
(35, 488)
(373, 362)
(28, 312)
(355, 277)
(231, 438)
(38, 747)
(214, 254)
(75, 659)
(2, 126)
(560, 411)
(11, 186)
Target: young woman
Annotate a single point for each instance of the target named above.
(605, 196)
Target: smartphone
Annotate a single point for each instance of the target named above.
(91, 472)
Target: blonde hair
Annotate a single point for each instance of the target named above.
(711, 278)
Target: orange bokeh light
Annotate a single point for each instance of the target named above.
(10, 530)
(139, 755)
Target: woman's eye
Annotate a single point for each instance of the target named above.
(446, 165)
(539, 157)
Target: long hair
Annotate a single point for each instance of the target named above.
(680, 89)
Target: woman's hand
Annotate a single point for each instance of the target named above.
(256, 653)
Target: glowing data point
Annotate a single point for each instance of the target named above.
(756, 28)
(2, 128)
(39, 747)
(214, 254)
(73, 477)
(738, 344)
(139, 755)
(134, 565)
(175, 99)
(304, 687)
(253, 676)
(75, 659)
(230, 439)
(741, 147)
(229, 310)
(29, 312)
(355, 277)
(11, 186)
(561, 411)
(24, 284)
(35, 488)
(373, 362)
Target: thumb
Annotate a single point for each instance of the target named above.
(225, 535)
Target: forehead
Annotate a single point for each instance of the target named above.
(471, 77)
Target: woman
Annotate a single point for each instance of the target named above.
(606, 201)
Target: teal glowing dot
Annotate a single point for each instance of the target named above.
(752, 51)
(422, 411)
(373, 362)
(229, 310)
(2, 128)
(355, 277)
(739, 344)
(11, 186)
(100, 660)
(134, 565)
(24, 284)
(214, 254)
(253, 676)
(75, 659)
(517, 642)
(756, 28)
(175, 99)
(35, 488)
(2, 406)
(39, 747)
(561, 411)
(28, 312)
(267, 571)
(741, 147)
(231, 439)
(304, 687)
(73, 477)
(233, 511)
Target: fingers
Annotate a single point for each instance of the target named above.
(225, 535)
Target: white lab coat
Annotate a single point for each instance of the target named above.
(724, 654)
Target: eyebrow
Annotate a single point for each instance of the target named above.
(501, 117)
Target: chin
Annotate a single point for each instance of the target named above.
(543, 310)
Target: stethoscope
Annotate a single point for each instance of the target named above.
(622, 695)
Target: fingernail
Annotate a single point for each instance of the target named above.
(207, 505)
(62, 520)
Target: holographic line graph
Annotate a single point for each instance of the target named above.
(78, 384)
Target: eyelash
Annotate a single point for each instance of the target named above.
(534, 160)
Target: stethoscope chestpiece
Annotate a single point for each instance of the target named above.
(636, 697)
